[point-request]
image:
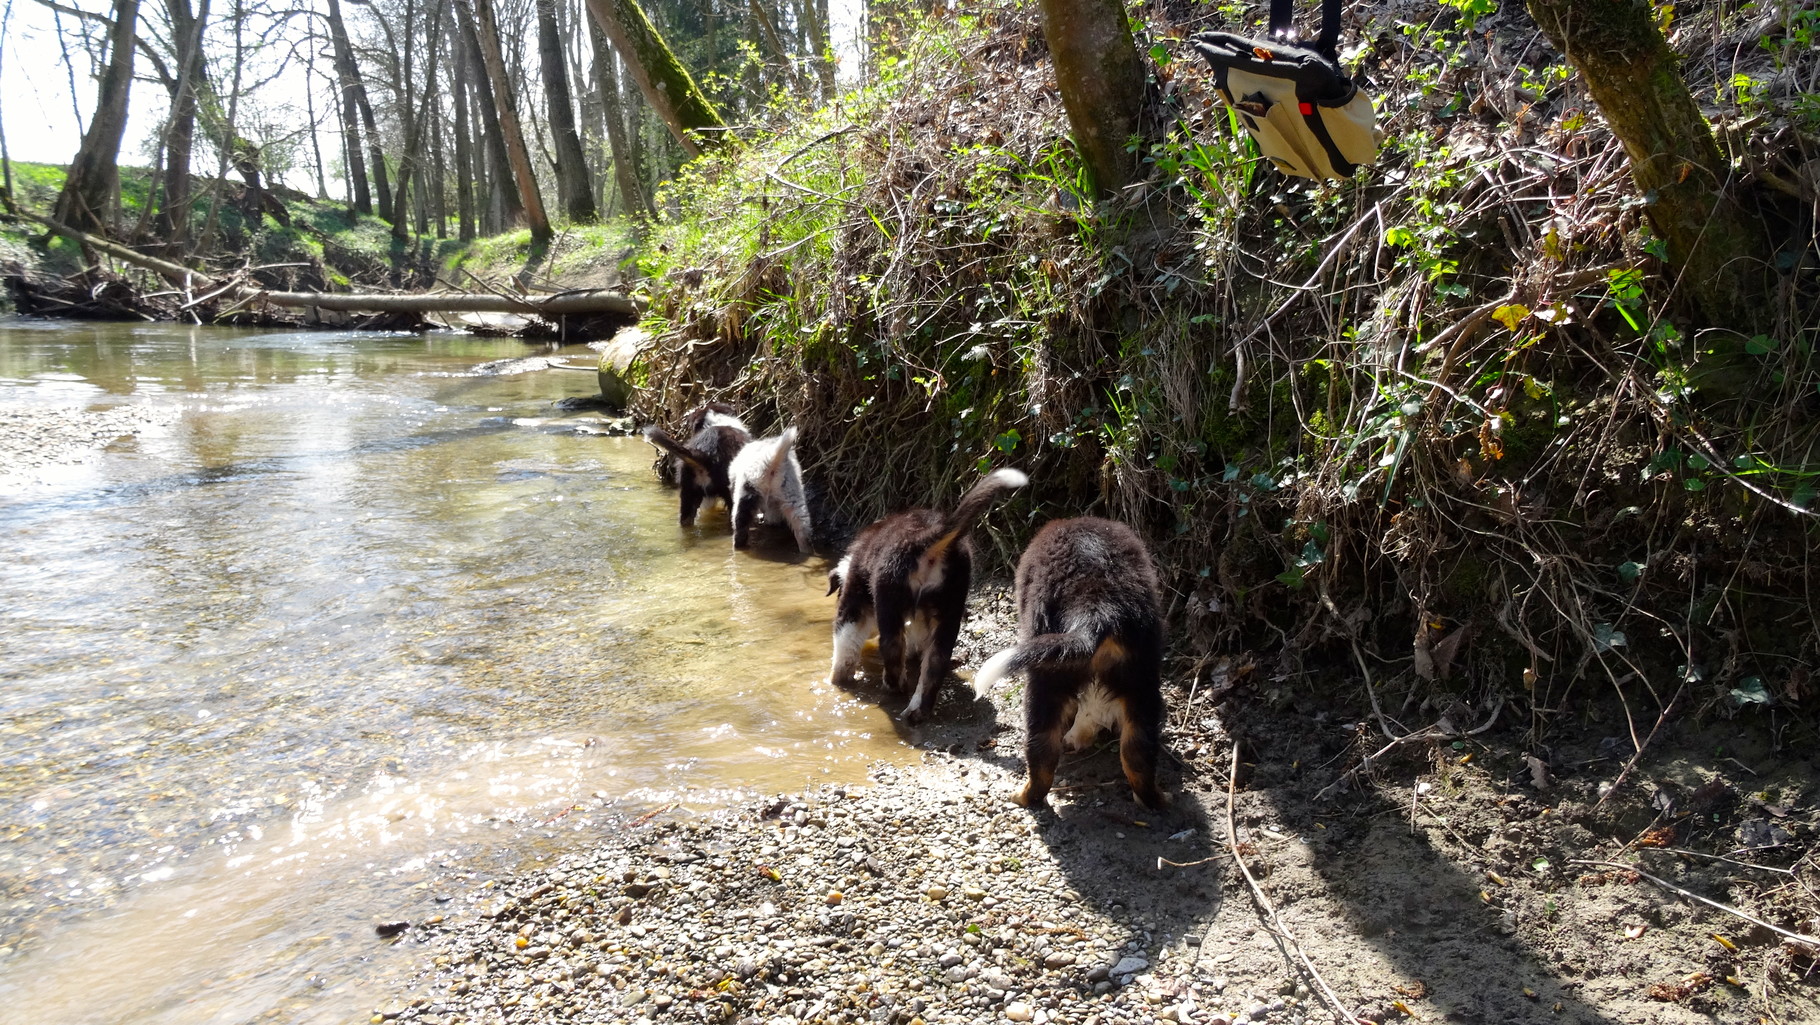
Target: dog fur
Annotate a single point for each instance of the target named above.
(716, 437)
(1090, 639)
(905, 578)
(767, 479)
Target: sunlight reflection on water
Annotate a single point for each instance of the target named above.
(333, 631)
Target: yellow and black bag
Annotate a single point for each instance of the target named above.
(1306, 113)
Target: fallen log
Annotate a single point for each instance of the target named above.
(580, 302)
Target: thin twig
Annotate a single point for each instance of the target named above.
(1806, 941)
(1720, 857)
(1272, 920)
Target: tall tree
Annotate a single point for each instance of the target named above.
(1102, 83)
(464, 160)
(353, 101)
(495, 165)
(1717, 248)
(486, 30)
(632, 195)
(187, 26)
(667, 85)
(779, 52)
(815, 27)
(413, 114)
(94, 176)
(574, 190)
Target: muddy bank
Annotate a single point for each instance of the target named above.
(1436, 883)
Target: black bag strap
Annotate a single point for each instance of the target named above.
(1282, 26)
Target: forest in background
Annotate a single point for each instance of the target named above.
(1475, 421)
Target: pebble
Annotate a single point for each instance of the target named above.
(677, 921)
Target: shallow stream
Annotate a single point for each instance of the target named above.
(340, 628)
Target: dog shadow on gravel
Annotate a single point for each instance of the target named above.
(1435, 929)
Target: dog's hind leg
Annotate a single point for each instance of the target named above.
(692, 495)
(891, 608)
(939, 631)
(1048, 708)
(798, 519)
(1141, 738)
(745, 513)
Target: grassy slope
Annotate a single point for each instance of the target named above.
(343, 251)
(1435, 420)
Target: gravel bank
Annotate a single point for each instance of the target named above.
(924, 896)
(34, 439)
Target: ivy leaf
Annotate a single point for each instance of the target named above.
(1630, 571)
(1761, 345)
(1510, 315)
(1605, 637)
(1751, 691)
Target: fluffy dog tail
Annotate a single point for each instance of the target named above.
(973, 505)
(1076, 649)
(780, 458)
(656, 436)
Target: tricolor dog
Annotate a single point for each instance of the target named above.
(905, 578)
(1090, 640)
(716, 436)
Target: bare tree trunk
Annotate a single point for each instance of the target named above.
(353, 95)
(464, 159)
(667, 85)
(1101, 81)
(1719, 251)
(439, 175)
(173, 221)
(486, 30)
(309, 100)
(779, 52)
(815, 14)
(573, 189)
(412, 119)
(632, 196)
(502, 205)
(94, 175)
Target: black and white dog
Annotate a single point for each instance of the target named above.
(1090, 638)
(716, 436)
(768, 480)
(905, 578)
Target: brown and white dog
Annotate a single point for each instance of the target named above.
(768, 480)
(1090, 639)
(905, 578)
(716, 436)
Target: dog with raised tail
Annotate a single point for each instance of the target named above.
(1090, 641)
(716, 436)
(768, 481)
(905, 578)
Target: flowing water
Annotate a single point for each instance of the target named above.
(341, 629)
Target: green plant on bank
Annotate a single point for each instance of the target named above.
(1396, 393)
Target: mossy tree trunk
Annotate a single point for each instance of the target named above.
(1717, 249)
(94, 175)
(1102, 83)
(667, 85)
